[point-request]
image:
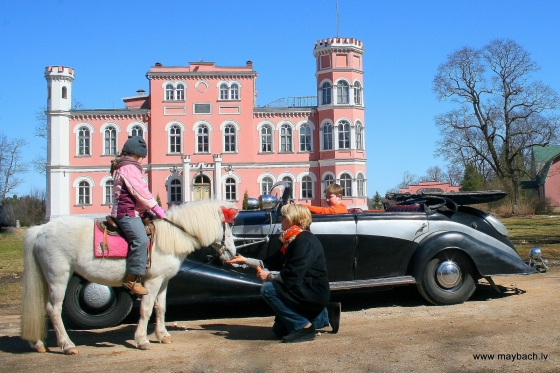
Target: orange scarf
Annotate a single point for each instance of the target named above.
(288, 236)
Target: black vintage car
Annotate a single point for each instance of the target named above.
(433, 240)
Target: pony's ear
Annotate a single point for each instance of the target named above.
(229, 214)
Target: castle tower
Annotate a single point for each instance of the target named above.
(59, 102)
(340, 105)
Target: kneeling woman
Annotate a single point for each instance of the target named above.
(296, 287)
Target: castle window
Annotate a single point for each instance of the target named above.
(110, 139)
(202, 139)
(266, 139)
(223, 91)
(285, 138)
(234, 92)
(346, 184)
(231, 189)
(288, 180)
(327, 136)
(305, 138)
(64, 92)
(84, 193)
(359, 136)
(175, 139)
(136, 131)
(360, 185)
(108, 195)
(344, 135)
(357, 93)
(342, 92)
(83, 141)
(229, 138)
(326, 93)
(266, 185)
(328, 180)
(169, 92)
(306, 188)
(180, 92)
(175, 191)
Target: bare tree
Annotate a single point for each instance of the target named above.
(501, 113)
(11, 164)
(434, 173)
(41, 130)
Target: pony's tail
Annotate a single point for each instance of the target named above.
(34, 299)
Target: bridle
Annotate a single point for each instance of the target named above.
(219, 247)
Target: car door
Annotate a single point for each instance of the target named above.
(386, 241)
(337, 234)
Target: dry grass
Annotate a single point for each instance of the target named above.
(541, 231)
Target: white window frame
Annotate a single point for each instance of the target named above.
(290, 127)
(91, 185)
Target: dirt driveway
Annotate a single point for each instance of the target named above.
(391, 331)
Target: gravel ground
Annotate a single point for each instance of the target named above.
(390, 331)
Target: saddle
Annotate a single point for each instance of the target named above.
(110, 228)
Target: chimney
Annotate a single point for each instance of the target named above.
(141, 92)
(158, 64)
(249, 63)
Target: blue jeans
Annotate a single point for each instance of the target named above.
(135, 233)
(288, 321)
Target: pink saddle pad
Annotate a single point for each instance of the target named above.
(118, 247)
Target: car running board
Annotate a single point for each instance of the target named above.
(399, 280)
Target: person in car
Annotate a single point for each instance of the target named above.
(296, 286)
(333, 193)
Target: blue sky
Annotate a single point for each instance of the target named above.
(112, 44)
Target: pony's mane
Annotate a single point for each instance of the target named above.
(201, 219)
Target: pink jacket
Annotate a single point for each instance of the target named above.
(130, 176)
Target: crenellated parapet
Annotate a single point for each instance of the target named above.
(59, 73)
(329, 45)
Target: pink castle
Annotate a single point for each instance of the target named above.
(430, 186)
(208, 139)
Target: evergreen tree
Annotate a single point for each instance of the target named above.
(472, 179)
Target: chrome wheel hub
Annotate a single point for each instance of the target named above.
(448, 274)
(96, 295)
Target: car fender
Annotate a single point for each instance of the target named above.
(488, 259)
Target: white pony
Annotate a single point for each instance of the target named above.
(53, 252)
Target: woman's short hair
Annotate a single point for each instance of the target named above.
(298, 215)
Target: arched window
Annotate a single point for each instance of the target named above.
(285, 138)
(329, 179)
(175, 191)
(359, 136)
(266, 185)
(231, 189)
(136, 131)
(327, 136)
(175, 139)
(266, 139)
(357, 93)
(169, 92)
(326, 90)
(84, 193)
(64, 92)
(346, 184)
(223, 91)
(108, 193)
(342, 92)
(83, 141)
(306, 188)
(229, 138)
(180, 92)
(344, 135)
(360, 185)
(234, 92)
(110, 138)
(202, 139)
(290, 183)
(305, 138)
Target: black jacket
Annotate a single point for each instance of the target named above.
(303, 269)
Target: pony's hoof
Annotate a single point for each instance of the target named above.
(41, 349)
(71, 351)
(166, 340)
(144, 346)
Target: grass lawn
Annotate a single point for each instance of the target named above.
(11, 265)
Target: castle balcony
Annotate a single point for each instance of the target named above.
(293, 102)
